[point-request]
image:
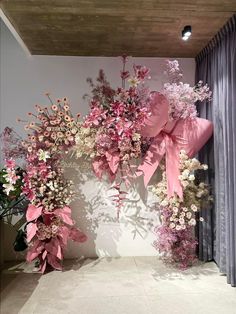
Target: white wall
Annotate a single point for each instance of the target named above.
(24, 80)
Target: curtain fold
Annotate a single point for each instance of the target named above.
(216, 65)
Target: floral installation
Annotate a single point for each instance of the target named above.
(51, 134)
(110, 134)
(175, 237)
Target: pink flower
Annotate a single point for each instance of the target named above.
(95, 116)
(10, 163)
(118, 108)
(141, 72)
(124, 75)
(54, 107)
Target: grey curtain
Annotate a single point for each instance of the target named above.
(216, 65)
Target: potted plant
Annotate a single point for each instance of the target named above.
(12, 205)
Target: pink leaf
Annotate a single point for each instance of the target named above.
(44, 254)
(35, 250)
(43, 267)
(77, 235)
(31, 231)
(54, 248)
(64, 234)
(33, 212)
(113, 161)
(53, 261)
(65, 214)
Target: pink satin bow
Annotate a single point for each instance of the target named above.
(169, 138)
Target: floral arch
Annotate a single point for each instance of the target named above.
(123, 125)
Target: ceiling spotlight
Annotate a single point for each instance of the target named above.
(186, 32)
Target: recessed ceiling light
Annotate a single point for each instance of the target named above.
(186, 32)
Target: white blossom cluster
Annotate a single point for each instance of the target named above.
(85, 142)
(179, 213)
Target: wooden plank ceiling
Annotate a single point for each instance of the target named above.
(144, 28)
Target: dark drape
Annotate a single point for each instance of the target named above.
(216, 65)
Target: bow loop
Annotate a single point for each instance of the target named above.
(170, 137)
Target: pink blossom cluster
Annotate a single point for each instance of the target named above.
(11, 144)
(173, 71)
(176, 247)
(110, 134)
(181, 96)
(175, 237)
(49, 218)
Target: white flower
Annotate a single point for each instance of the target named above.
(133, 81)
(178, 227)
(204, 167)
(74, 131)
(192, 222)
(43, 155)
(194, 208)
(202, 185)
(185, 173)
(201, 219)
(136, 137)
(8, 187)
(164, 203)
(195, 161)
(199, 194)
(189, 215)
(172, 225)
(191, 177)
(175, 210)
(185, 183)
(187, 163)
(181, 221)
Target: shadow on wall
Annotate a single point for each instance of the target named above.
(96, 215)
(89, 210)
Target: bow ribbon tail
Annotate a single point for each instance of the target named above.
(152, 159)
(172, 169)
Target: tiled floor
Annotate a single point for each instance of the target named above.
(132, 285)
